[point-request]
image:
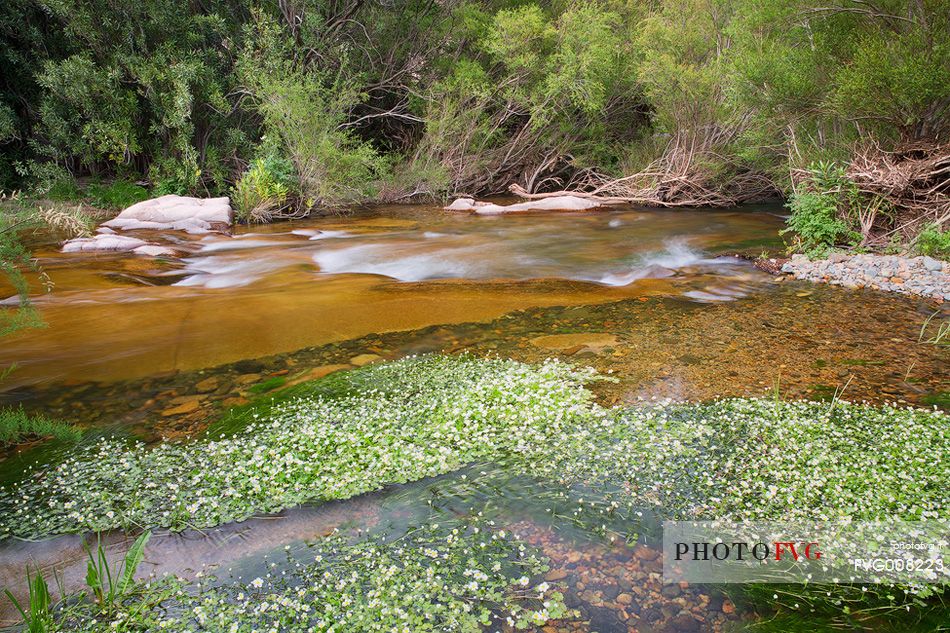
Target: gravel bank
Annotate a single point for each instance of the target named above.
(922, 276)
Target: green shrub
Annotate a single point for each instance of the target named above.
(266, 187)
(175, 176)
(304, 109)
(934, 242)
(818, 208)
(16, 427)
(50, 181)
(117, 195)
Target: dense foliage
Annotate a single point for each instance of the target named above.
(415, 98)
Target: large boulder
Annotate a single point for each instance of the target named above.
(178, 213)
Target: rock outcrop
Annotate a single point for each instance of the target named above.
(177, 213)
(103, 242)
(166, 213)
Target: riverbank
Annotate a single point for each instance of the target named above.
(922, 276)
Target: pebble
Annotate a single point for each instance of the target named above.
(556, 574)
(186, 407)
(207, 385)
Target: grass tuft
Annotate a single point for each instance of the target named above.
(18, 427)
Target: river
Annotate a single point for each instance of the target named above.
(659, 299)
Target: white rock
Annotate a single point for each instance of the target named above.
(102, 242)
(462, 204)
(180, 213)
(105, 229)
(305, 232)
(557, 203)
(154, 250)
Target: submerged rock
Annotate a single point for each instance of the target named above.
(103, 242)
(179, 213)
(590, 340)
(365, 359)
(154, 250)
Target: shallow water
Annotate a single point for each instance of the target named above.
(160, 348)
(287, 286)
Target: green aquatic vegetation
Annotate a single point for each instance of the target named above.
(355, 432)
(765, 459)
(393, 423)
(110, 586)
(457, 575)
(429, 416)
(36, 613)
(268, 385)
(17, 426)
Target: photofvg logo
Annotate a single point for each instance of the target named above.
(742, 551)
(868, 552)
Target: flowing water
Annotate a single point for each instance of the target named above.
(159, 348)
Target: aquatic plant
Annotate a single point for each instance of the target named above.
(387, 424)
(415, 418)
(354, 432)
(107, 587)
(460, 576)
(36, 614)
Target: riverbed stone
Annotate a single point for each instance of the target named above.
(207, 385)
(365, 359)
(554, 203)
(316, 373)
(103, 242)
(181, 409)
(154, 250)
(556, 574)
(179, 213)
(247, 379)
(575, 342)
(461, 204)
(931, 264)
